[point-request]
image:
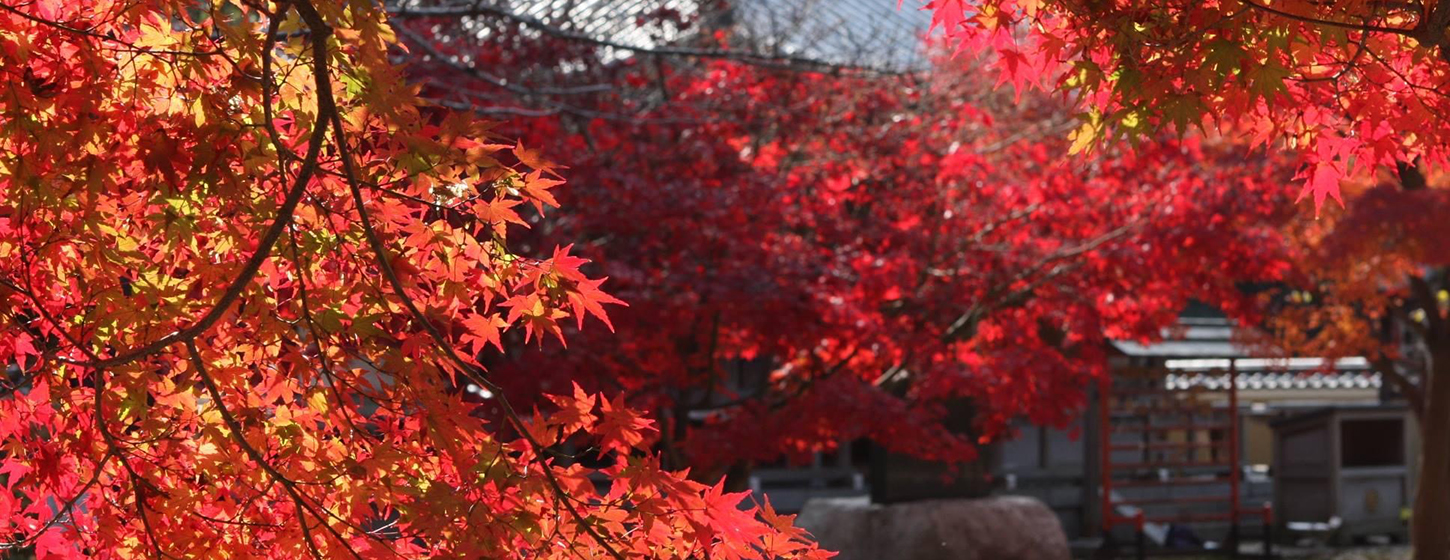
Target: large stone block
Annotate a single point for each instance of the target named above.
(996, 528)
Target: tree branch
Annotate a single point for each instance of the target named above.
(1425, 298)
(273, 232)
(788, 62)
(1412, 393)
(496, 81)
(104, 37)
(999, 297)
(239, 436)
(1330, 23)
(1411, 177)
(472, 372)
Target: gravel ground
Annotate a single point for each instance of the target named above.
(1376, 553)
(1380, 553)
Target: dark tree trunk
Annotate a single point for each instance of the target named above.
(1430, 525)
(737, 477)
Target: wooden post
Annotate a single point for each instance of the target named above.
(1106, 457)
(1233, 456)
(1268, 531)
(1139, 521)
(1093, 440)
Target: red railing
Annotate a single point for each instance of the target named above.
(1186, 408)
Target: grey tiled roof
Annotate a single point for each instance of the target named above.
(873, 33)
(1182, 349)
(861, 32)
(613, 20)
(1197, 354)
(1276, 380)
(1191, 338)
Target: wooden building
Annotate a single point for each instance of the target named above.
(1188, 455)
(1346, 467)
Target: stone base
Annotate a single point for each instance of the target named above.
(996, 528)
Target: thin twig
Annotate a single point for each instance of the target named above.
(780, 61)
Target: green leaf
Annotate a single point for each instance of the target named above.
(1267, 81)
(1224, 57)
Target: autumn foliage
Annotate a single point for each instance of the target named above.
(1373, 280)
(1351, 87)
(1369, 276)
(268, 293)
(245, 275)
(1356, 90)
(800, 247)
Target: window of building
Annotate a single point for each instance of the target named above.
(1372, 443)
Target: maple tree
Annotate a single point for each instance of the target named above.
(1350, 86)
(799, 247)
(1371, 281)
(1353, 89)
(245, 274)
